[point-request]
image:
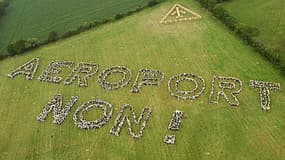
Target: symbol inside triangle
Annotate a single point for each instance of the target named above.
(179, 13)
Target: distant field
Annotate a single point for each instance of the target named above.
(204, 47)
(266, 15)
(36, 18)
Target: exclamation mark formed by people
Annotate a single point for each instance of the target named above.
(174, 125)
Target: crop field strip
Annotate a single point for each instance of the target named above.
(203, 47)
(35, 19)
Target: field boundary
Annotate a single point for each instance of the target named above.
(247, 33)
(21, 46)
(3, 5)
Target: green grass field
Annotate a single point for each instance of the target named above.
(204, 47)
(267, 16)
(35, 19)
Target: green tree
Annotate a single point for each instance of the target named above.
(53, 36)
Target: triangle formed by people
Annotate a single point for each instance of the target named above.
(179, 13)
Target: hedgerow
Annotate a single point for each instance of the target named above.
(3, 5)
(20, 46)
(247, 33)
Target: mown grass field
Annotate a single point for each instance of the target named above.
(204, 47)
(35, 19)
(267, 16)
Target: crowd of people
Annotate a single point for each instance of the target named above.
(169, 139)
(174, 125)
(227, 85)
(82, 123)
(89, 69)
(104, 83)
(265, 98)
(232, 84)
(273, 86)
(54, 68)
(28, 69)
(179, 20)
(176, 120)
(121, 118)
(177, 14)
(59, 113)
(264, 91)
(175, 91)
(147, 77)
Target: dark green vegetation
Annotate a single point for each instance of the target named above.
(20, 46)
(29, 19)
(267, 16)
(3, 5)
(204, 47)
(248, 33)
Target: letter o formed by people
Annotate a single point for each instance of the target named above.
(176, 91)
(125, 80)
(81, 122)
